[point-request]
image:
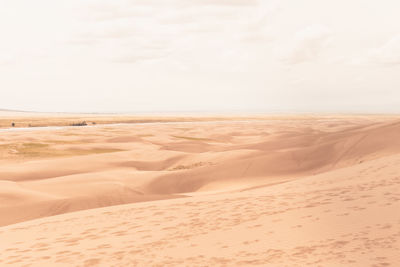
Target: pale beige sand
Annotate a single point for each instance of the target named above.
(291, 192)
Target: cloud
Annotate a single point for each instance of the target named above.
(6, 59)
(307, 44)
(137, 49)
(197, 3)
(114, 10)
(134, 57)
(387, 54)
(126, 40)
(256, 27)
(131, 31)
(98, 32)
(221, 2)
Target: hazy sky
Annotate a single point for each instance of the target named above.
(195, 55)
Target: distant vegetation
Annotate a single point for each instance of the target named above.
(83, 123)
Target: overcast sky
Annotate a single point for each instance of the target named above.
(200, 55)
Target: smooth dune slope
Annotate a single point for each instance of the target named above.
(346, 217)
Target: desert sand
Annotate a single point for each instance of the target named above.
(261, 191)
(23, 119)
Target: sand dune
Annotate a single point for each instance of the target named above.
(278, 192)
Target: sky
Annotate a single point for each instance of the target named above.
(200, 55)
